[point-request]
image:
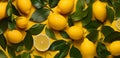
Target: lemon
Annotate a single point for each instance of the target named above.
(65, 6)
(99, 10)
(22, 22)
(87, 49)
(75, 32)
(57, 21)
(3, 6)
(41, 42)
(14, 36)
(24, 6)
(118, 24)
(114, 48)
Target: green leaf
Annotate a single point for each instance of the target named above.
(75, 53)
(2, 54)
(106, 30)
(3, 42)
(80, 5)
(3, 25)
(116, 56)
(11, 51)
(70, 21)
(112, 37)
(11, 25)
(64, 34)
(57, 45)
(116, 6)
(110, 13)
(38, 3)
(40, 15)
(102, 51)
(89, 1)
(50, 33)
(25, 55)
(93, 35)
(9, 8)
(37, 56)
(28, 41)
(19, 48)
(15, 11)
(53, 3)
(36, 29)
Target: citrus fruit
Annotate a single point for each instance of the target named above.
(3, 6)
(65, 6)
(22, 22)
(41, 42)
(114, 48)
(118, 24)
(99, 10)
(14, 36)
(87, 49)
(75, 32)
(57, 21)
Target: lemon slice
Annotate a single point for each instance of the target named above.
(41, 42)
(118, 24)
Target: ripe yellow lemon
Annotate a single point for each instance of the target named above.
(65, 6)
(22, 22)
(57, 21)
(24, 6)
(14, 36)
(118, 24)
(3, 6)
(99, 10)
(41, 42)
(75, 32)
(87, 49)
(114, 48)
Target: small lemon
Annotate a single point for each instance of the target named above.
(22, 22)
(41, 42)
(65, 6)
(99, 10)
(114, 48)
(3, 6)
(14, 36)
(75, 32)
(87, 49)
(57, 21)
(24, 6)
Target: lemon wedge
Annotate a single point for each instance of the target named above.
(118, 24)
(41, 42)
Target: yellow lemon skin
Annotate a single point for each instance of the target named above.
(3, 6)
(65, 6)
(24, 6)
(99, 10)
(14, 36)
(22, 22)
(75, 32)
(114, 48)
(57, 21)
(87, 49)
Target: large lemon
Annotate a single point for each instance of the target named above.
(65, 6)
(57, 21)
(3, 6)
(99, 10)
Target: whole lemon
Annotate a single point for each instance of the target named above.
(24, 6)
(75, 32)
(114, 48)
(65, 6)
(99, 10)
(87, 49)
(3, 6)
(14, 36)
(22, 22)
(57, 21)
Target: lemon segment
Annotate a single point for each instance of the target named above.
(41, 42)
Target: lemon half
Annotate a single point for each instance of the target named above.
(41, 42)
(118, 24)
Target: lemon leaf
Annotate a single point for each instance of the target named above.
(25, 55)
(36, 29)
(89, 1)
(75, 53)
(2, 54)
(11, 25)
(50, 33)
(3, 42)
(11, 51)
(116, 56)
(108, 1)
(15, 11)
(53, 3)
(93, 35)
(64, 34)
(40, 15)
(70, 21)
(116, 5)
(102, 51)
(3, 26)
(37, 56)
(38, 3)
(19, 48)
(9, 8)
(28, 39)
(57, 45)
(106, 30)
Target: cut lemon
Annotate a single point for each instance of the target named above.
(41, 42)
(118, 24)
